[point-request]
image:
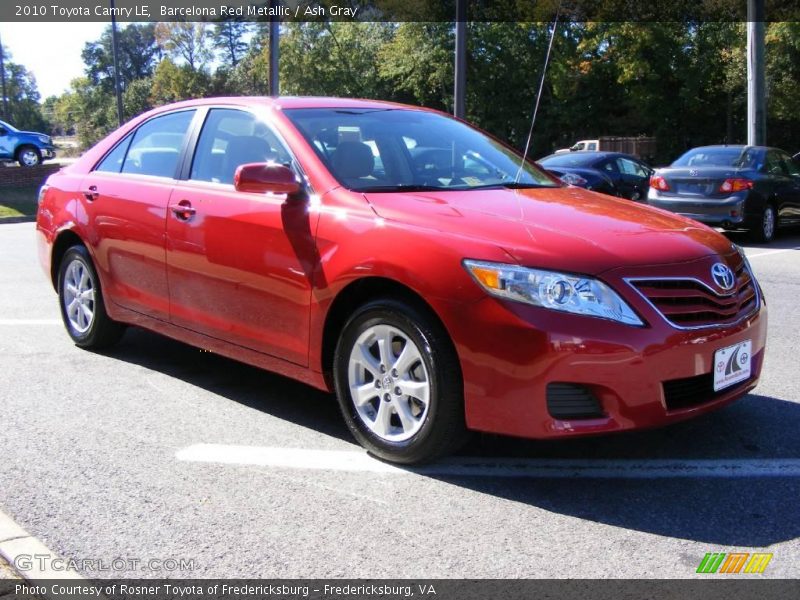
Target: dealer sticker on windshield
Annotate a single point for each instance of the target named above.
(732, 365)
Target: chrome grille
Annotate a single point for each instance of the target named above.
(689, 303)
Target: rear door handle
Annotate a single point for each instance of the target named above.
(91, 193)
(183, 210)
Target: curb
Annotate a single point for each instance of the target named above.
(15, 541)
(23, 219)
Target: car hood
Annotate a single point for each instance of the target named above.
(564, 228)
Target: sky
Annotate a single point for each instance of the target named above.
(52, 51)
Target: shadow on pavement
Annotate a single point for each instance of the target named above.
(742, 512)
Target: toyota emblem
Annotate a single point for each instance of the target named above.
(693, 172)
(723, 276)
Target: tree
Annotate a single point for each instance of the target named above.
(228, 39)
(173, 82)
(184, 42)
(137, 56)
(22, 95)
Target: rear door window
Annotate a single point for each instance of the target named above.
(112, 163)
(156, 146)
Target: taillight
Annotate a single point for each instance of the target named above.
(657, 182)
(737, 184)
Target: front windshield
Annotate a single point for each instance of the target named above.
(7, 126)
(388, 150)
(712, 157)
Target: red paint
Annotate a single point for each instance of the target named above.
(253, 276)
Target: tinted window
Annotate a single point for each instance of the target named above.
(112, 163)
(712, 157)
(393, 149)
(630, 167)
(791, 165)
(774, 165)
(231, 138)
(156, 145)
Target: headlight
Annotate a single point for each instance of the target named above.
(45, 139)
(549, 289)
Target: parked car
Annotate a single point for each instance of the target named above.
(733, 187)
(28, 148)
(433, 296)
(606, 172)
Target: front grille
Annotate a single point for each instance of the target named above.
(572, 401)
(690, 303)
(693, 391)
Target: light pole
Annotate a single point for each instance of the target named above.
(459, 93)
(274, 48)
(756, 93)
(114, 50)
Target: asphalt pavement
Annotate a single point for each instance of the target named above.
(197, 466)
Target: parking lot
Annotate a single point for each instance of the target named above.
(156, 450)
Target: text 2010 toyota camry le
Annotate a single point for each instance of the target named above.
(408, 262)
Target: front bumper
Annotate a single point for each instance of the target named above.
(724, 212)
(47, 153)
(510, 352)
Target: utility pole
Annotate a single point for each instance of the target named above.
(114, 51)
(756, 92)
(274, 48)
(459, 93)
(3, 81)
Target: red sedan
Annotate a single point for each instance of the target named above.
(405, 260)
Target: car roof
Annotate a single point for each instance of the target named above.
(289, 102)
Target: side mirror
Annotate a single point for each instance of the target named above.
(262, 178)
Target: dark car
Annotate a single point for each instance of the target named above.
(734, 187)
(610, 173)
(28, 148)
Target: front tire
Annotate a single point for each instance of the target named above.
(399, 384)
(81, 301)
(29, 156)
(764, 233)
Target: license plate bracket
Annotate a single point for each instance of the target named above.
(732, 365)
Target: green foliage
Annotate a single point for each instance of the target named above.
(684, 83)
(22, 96)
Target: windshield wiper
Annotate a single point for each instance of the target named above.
(511, 185)
(402, 187)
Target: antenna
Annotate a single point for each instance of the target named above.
(538, 95)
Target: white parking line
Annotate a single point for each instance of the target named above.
(13, 322)
(770, 252)
(361, 462)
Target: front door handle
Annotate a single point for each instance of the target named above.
(183, 210)
(91, 193)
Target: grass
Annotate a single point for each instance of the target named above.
(18, 202)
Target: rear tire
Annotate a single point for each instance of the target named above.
(399, 383)
(764, 233)
(81, 301)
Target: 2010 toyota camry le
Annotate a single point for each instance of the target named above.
(419, 268)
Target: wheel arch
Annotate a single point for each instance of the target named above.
(63, 242)
(356, 294)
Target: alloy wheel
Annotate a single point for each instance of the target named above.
(389, 383)
(29, 158)
(79, 296)
(768, 223)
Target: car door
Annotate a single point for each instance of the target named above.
(125, 202)
(792, 205)
(240, 264)
(634, 178)
(6, 144)
(782, 187)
